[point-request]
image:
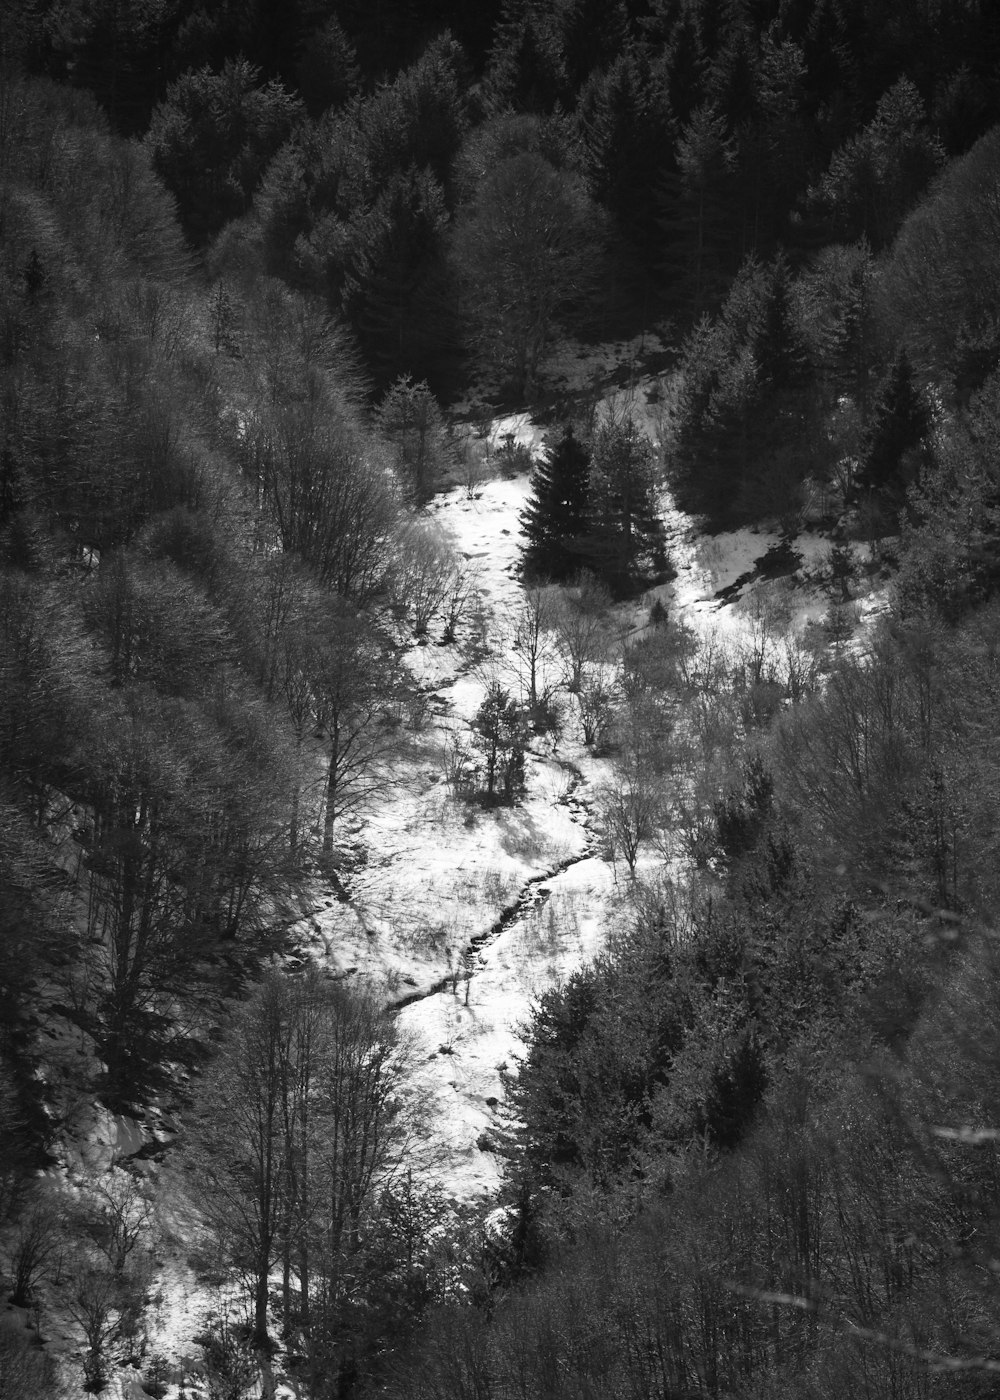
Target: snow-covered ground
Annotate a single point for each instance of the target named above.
(441, 874)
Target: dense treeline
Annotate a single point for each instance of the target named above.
(463, 187)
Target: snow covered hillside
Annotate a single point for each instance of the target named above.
(464, 916)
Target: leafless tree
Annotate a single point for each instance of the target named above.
(423, 574)
(460, 593)
(351, 675)
(597, 697)
(301, 1124)
(583, 629)
(533, 642)
(632, 808)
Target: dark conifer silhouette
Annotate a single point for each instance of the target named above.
(626, 541)
(556, 516)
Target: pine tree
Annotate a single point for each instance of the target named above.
(592, 35)
(626, 533)
(624, 117)
(839, 314)
(411, 420)
(211, 138)
(525, 71)
(742, 441)
(396, 290)
(555, 519)
(697, 204)
(327, 70)
(683, 68)
(878, 174)
(900, 423)
(527, 250)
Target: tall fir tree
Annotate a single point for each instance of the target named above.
(900, 423)
(876, 176)
(683, 67)
(625, 124)
(397, 294)
(555, 520)
(592, 33)
(525, 71)
(626, 538)
(697, 203)
(743, 440)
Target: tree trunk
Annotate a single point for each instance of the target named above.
(332, 779)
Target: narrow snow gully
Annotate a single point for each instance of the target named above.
(534, 893)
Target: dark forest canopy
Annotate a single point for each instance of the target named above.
(362, 149)
(249, 255)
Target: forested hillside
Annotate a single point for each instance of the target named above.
(279, 287)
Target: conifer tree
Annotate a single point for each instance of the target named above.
(211, 138)
(697, 215)
(876, 176)
(499, 734)
(592, 34)
(742, 442)
(838, 304)
(525, 71)
(624, 118)
(527, 250)
(327, 70)
(900, 422)
(626, 532)
(555, 518)
(683, 68)
(396, 289)
(409, 417)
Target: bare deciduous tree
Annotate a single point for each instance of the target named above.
(301, 1124)
(582, 628)
(533, 643)
(423, 574)
(351, 675)
(632, 807)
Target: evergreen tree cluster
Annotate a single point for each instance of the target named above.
(744, 418)
(692, 135)
(556, 518)
(594, 508)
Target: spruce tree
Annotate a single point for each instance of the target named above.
(555, 519)
(696, 216)
(592, 34)
(900, 422)
(410, 419)
(396, 295)
(626, 533)
(500, 736)
(327, 69)
(743, 439)
(624, 119)
(525, 72)
(683, 68)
